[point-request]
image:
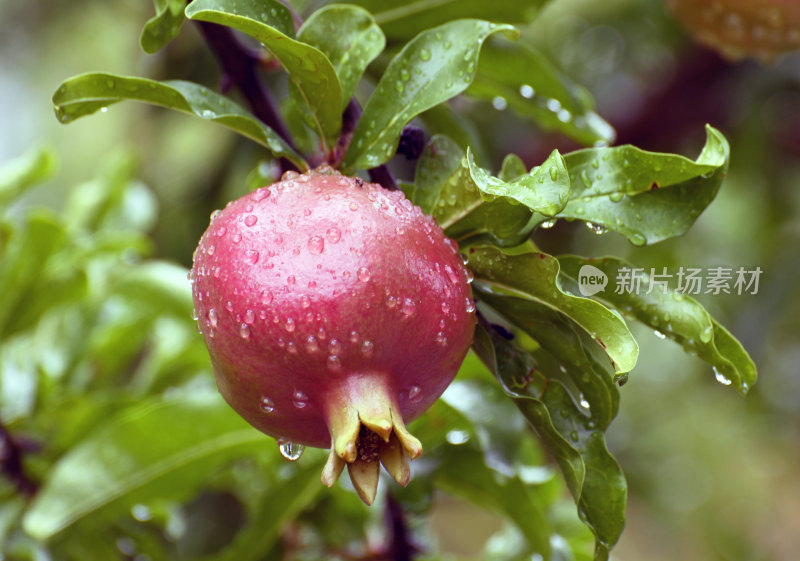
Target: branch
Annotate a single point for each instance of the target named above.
(11, 453)
(239, 65)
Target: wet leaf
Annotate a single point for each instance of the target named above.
(88, 93)
(531, 279)
(436, 65)
(350, 39)
(310, 71)
(526, 82)
(673, 314)
(645, 196)
(121, 464)
(574, 439)
(162, 27)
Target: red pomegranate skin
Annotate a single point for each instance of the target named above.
(321, 292)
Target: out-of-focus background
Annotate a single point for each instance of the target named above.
(711, 475)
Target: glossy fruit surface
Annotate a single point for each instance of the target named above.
(740, 28)
(333, 311)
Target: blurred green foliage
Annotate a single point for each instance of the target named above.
(99, 350)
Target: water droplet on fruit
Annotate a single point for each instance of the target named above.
(290, 450)
(266, 298)
(252, 256)
(316, 245)
(213, 319)
(250, 220)
(289, 325)
(354, 338)
(229, 306)
(210, 250)
(721, 378)
(333, 235)
(244, 331)
(260, 194)
(367, 348)
(445, 308)
(266, 404)
(409, 307)
(363, 274)
(470, 305)
(441, 339)
(311, 344)
(221, 232)
(353, 206)
(299, 399)
(237, 237)
(414, 393)
(334, 363)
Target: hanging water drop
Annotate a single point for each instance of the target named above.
(290, 450)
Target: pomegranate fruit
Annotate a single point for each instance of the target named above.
(739, 28)
(334, 312)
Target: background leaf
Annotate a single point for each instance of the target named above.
(645, 196)
(88, 93)
(350, 39)
(310, 71)
(530, 85)
(433, 67)
(122, 464)
(24, 172)
(405, 18)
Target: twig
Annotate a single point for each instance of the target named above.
(400, 546)
(11, 453)
(239, 65)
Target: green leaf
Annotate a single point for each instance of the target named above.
(25, 171)
(87, 93)
(673, 314)
(532, 277)
(439, 162)
(645, 196)
(436, 65)
(122, 464)
(463, 473)
(162, 27)
(575, 441)
(349, 37)
(402, 19)
(23, 261)
(532, 87)
(544, 189)
(278, 508)
(310, 71)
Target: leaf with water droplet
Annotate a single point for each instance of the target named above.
(664, 193)
(311, 73)
(517, 285)
(434, 72)
(676, 315)
(356, 41)
(87, 93)
(527, 80)
(577, 442)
